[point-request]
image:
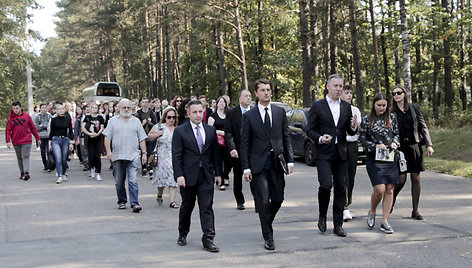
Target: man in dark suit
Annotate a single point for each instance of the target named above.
(196, 162)
(264, 140)
(233, 141)
(328, 121)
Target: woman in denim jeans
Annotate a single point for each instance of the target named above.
(61, 137)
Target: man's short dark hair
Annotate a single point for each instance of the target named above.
(262, 81)
(42, 104)
(143, 98)
(16, 103)
(194, 102)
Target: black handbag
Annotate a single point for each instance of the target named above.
(51, 160)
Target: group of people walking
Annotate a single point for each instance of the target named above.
(198, 146)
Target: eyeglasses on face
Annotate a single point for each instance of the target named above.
(397, 93)
(126, 107)
(171, 117)
(178, 100)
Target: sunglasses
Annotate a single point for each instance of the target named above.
(178, 100)
(397, 93)
(171, 117)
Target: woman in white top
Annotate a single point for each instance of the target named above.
(352, 148)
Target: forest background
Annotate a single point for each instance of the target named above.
(162, 48)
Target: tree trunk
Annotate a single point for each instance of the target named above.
(463, 57)
(307, 69)
(333, 49)
(239, 37)
(150, 72)
(355, 56)
(436, 66)
(221, 59)
(325, 32)
(375, 47)
(415, 96)
(159, 53)
(383, 44)
(314, 45)
(448, 95)
(169, 70)
(406, 49)
(260, 33)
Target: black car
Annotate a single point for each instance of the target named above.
(297, 125)
(302, 145)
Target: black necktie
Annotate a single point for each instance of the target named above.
(267, 120)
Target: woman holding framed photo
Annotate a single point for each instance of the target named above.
(379, 134)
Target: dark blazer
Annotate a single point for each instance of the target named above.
(186, 156)
(420, 130)
(320, 122)
(233, 129)
(256, 143)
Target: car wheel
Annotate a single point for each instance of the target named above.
(309, 154)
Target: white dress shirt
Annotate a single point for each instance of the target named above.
(262, 111)
(355, 111)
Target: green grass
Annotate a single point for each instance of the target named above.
(452, 151)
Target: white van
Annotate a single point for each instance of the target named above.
(102, 91)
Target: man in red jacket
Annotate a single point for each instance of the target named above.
(19, 130)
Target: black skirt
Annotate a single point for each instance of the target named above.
(381, 172)
(414, 158)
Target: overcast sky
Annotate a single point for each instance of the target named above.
(43, 22)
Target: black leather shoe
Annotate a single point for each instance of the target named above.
(322, 224)
(269, 244)
(241, 206)
(210, 247)
(339, 231)
(182, 240)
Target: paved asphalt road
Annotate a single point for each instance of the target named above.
(77, 224)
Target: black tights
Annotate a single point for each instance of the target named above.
(415, 189)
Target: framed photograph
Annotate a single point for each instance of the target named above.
(385, 156)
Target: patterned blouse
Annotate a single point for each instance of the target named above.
(379, 133)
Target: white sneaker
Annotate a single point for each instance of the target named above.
(92, 173)
(346, 215)
(99, 178)
(59, 180)
(352, 214)
(64, 177)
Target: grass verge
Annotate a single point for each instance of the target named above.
(452, 151)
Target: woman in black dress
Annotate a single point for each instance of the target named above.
(379, 130)
(217, 119)
(413, 131)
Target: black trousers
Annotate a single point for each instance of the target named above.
(238, 181)
(94, 149)
(332, 173)
(269, 187)
(204, 191)
(44, 151)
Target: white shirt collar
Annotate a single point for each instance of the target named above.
(194, 126)
(262, 107)
(332, 101)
